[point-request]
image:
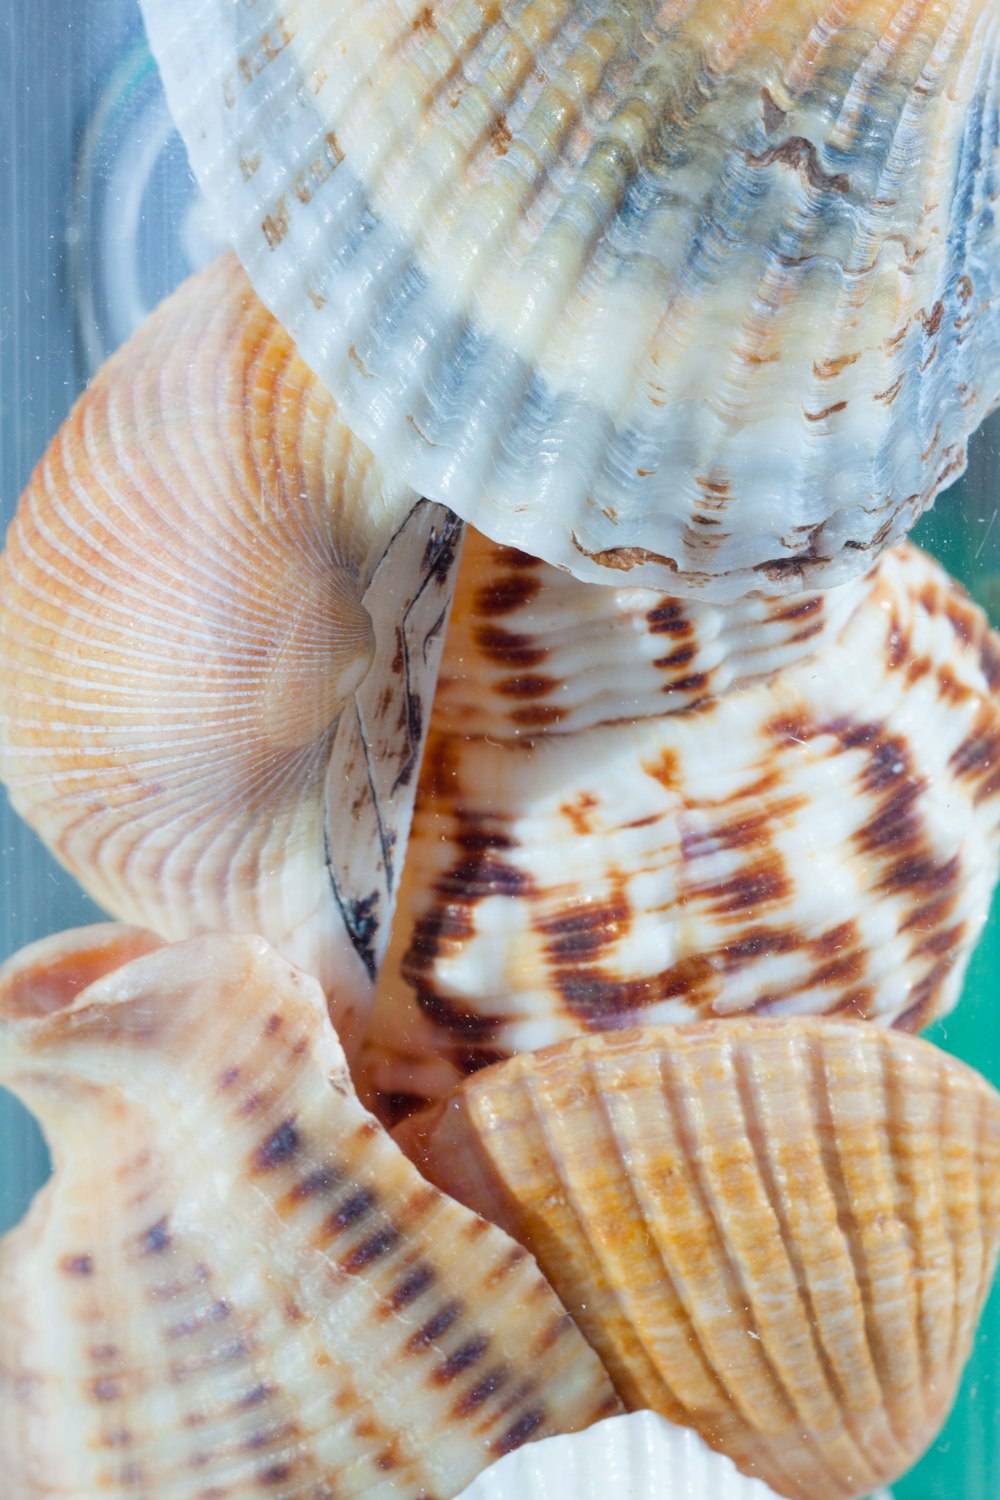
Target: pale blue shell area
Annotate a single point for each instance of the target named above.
(816, 479)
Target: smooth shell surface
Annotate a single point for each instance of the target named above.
(779, 1233)
(235, 1284)
(705, 293)
(219, 632)
(635, 1457)
(823, 838)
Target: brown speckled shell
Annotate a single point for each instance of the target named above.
(235, 1284)
(780, 1233)
(657, 821)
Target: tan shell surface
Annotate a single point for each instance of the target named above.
(213, 602)
(779, 1233)
(702, 293)
(235, 1284)
(821, 839)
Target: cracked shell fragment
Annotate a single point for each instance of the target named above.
(219, 633)
(235, 1283)
(779, 1233)
(634, 1457)
(705, 293)
(634, 809)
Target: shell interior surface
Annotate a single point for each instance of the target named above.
(235, 1283)
(704, 293)
(821, 838)
(635, 1457)
(220, 624)
(779, 1233)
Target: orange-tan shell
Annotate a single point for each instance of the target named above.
(219, 622)
(779, 1233)
(235, 1284)
(820, 837)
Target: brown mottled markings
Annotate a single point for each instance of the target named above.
(462, 1359)
(678, 658)
(102, 1353)
(500, 135)
(535, 685)
(355, 1208)
(509, 648)
(105, 1389)
(436, 1326)
(275, 1474)
(254, 1396)
(416, 1281)
(253, 1104)
(580, 931)
(759, 885)
(827, 411)
(826, 369)
(281, 1145)
(668, 618)
(77, 1265)
(537, 715)
(623, 559)
(525, 1426)
(388, 1459)
(424, 19)
(229, 1077)
(372, 1249)
(575, 813)
(470, 1024)
(493, 1381)
(507, 593)
(774, 115)
(799, 153)
(273, 1024)
(857, 1003)
(156, 1238)
(319, 1180)
(217, 1313)
(118, 1437)
(759, 942)
(890, 393)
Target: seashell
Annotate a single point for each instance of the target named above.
(638, 1456)
(704, 293)
(235, 1282)
(779, 1233)
(219, 626)
(823, 838)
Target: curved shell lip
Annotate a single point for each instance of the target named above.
(640, 1455)
(774, 500)
(54, 974)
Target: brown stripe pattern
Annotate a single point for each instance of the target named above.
(820, 839)
(237, 1282)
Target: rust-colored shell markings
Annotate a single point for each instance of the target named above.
(219, 630)
(626, 825)
(779, 1233)
(235, 1284)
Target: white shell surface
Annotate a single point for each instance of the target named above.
(640, 1456)
(821, 839)
(235, 1284)
(704, 293)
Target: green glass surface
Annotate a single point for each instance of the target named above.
(964, 1462)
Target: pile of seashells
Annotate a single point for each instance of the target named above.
(690, 308)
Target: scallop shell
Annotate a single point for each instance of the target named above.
(822, 838)
(235, 1283)
(635, 1457)
(779, 1233)
(705, 293)
(219, 629)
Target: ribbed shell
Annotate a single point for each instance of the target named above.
(825, 839)
(219, 628)
(635, 1457)
(780, 1233)
(705, 292)
(235, 1283)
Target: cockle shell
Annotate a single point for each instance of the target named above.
(235, 1283)
(219, 634)
(703, 292)
(634, 1457)
(822, 838)
(780, 1233)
